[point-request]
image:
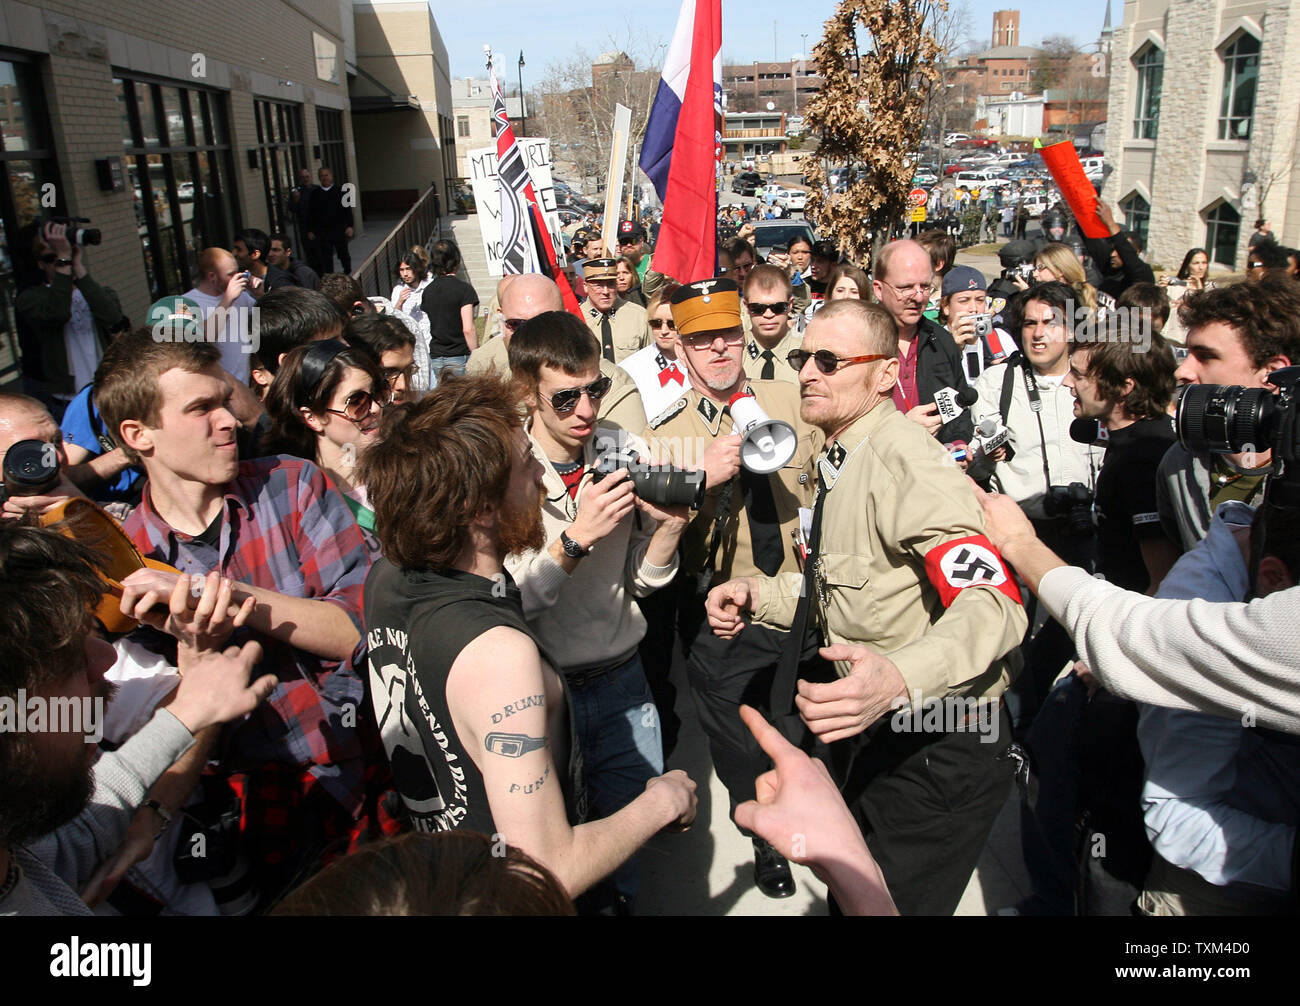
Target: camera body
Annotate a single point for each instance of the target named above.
(664, 486)
(30, 468)
(983, 325)
(1074, 504)
(83, 236)
(1024, 271)
(1235, 420)
(1175, 281)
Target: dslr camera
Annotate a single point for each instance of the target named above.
(1236, 420)
(83, 236)
(30, 468)
(664, 486)
(1073, 503)
(1024, 271)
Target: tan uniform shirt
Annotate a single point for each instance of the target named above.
(782, 371)
(627, 322)
(621, 407)
(682, 435)
(893, 496)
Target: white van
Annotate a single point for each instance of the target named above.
(977, 178)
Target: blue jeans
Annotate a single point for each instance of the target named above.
(438, 363)
(622, 748)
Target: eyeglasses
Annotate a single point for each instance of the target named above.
(921, 289)
(703, 340)
(357, 408)
(658, 323)
(760, 309)
(391, 374)
(827, 362)
(564, 402)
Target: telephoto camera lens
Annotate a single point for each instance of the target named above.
(664, 486)
(1226, 420)
(31, 468)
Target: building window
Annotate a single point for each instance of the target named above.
(1240, 74)
(329, 134)
(1137, 215)
(1222, 228)
(29, 174)
(462, 125)
(279, 138)
(327, 58)
(177, 149)
(1150, 79)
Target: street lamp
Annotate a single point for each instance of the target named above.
(523, 110)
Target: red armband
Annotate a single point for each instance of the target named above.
(968, 562)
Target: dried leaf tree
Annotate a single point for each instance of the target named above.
(878, 61)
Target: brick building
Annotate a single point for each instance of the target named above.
(172, 124)
(1202, 132)
(749, 87)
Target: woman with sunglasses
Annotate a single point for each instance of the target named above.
(325, 405)
(1057, 263)
(659, 375)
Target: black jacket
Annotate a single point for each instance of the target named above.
(327, 217)
(938, 366)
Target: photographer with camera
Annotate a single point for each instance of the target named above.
(34, 469)
(610, 541)
(744, 527)
(70, 316)
(1236, 335)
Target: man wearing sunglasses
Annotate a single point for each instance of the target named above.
(743, 527)
(606, 547)
(528, 296)
(618, 324)
(915, 604)
(769, 298)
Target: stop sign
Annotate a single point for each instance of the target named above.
(917, 197)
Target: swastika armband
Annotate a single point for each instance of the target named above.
(967, 562)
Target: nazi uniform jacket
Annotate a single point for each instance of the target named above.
(752, 359)
(627, 322)
(903, 565)
(684, 432)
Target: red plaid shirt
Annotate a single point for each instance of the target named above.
(284, 529)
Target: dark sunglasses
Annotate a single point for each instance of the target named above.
(512, 323)
(564, 402)
(357, 407)
(827, 362)
(658, 323)
(760, 309)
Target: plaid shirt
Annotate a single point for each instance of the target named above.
(283, 529)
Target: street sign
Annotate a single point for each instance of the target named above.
(917, 197)
(918, 214)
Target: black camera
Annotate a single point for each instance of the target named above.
(30, 468)
(664, 485)
(1237, 420)
(1074, 504)
(83, 236)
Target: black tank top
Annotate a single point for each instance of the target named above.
(417, 623)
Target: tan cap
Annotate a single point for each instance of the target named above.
(705, 306)
(600, 268)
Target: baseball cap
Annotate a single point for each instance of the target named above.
(960, 278)
(629, 230)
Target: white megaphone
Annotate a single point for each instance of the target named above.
(766, 443)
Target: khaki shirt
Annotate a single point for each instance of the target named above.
(621, 407)
(627, 322)
(894, 495)
(752, 359)
(686, 430)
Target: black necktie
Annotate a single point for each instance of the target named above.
(607, 337)
(785, 682)
(764, 524)
(769, 366)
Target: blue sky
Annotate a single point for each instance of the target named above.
(550, 31)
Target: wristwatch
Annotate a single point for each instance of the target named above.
(571, 548)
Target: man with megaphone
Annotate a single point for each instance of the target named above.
(918, 608)
(758, 458)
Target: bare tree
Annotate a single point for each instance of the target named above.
(879, 60)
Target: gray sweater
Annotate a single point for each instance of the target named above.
(57, 866)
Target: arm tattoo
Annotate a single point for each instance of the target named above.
(512, 745)
(531, 787)
(518, 707)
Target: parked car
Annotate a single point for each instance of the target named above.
(979, 178)
(925, 178)
(952, 138)
(746, 183)
(1093, 167)
(768, 234)
(791, 199)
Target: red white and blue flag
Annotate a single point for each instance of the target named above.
(525, 242)
(682, 150)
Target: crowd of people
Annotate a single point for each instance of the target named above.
(381, 601)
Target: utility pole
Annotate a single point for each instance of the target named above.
(523, 109)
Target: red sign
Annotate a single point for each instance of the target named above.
(917, 197)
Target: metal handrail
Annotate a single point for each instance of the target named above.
(421, 225)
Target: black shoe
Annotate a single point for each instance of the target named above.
(772, 871)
